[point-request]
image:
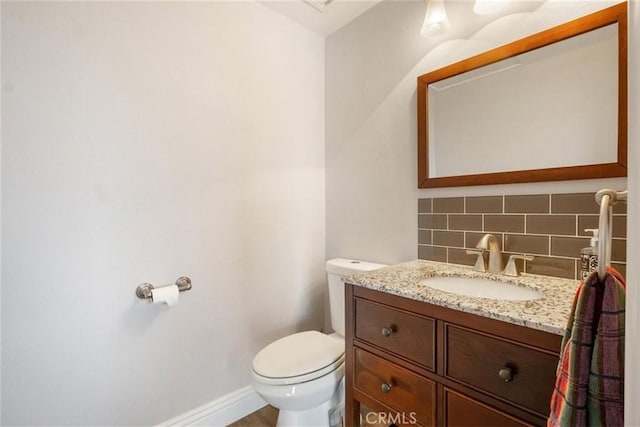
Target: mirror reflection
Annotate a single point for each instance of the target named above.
(551, 107)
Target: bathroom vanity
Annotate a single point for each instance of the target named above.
(420, 356)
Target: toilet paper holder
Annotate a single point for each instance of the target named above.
(143, 291)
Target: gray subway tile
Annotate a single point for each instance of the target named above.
(460, 256)
(448, 205)
(551, 266)
(503, 223)
(618, 226)
(619, 250)
(571, 246)
(484, 204)
(432, 221)
(424, 237)
(424, 205)
(568, 246)
(448, 238)
(620, 208)
(581, 203)
(575, 203)
(532, 203)
(432, 253)
(585, 222)
(521, 243)
(551, 224)
(465, 222)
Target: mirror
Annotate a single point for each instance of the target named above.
(552, 106)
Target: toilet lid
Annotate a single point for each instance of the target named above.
(298, 354)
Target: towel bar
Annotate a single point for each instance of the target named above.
(606, 198)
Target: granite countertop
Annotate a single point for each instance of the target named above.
(549, 313)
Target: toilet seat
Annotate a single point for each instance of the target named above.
(298, 358)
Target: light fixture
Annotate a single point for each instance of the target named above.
(487, 7)
(320, 5)
(436, 21)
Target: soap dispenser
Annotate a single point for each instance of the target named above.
(589, 255)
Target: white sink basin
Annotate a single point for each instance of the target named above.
(481, 288)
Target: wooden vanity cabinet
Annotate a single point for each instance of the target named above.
(422, 364)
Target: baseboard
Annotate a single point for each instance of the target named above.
(222, 411)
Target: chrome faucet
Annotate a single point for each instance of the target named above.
(488, 242)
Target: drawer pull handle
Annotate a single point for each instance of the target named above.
(386, 387)
(387, 331)
(506, 374)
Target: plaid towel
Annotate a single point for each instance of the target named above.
(589, 389)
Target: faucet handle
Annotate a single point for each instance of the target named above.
(481, 263)
(512, 269)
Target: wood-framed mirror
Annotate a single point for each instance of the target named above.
(562, 119)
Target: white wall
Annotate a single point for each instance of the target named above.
(0, 222)
(632, 375)
(142, 142)
(371, 156)
(370, 134)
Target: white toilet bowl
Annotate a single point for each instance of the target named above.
(303, 374)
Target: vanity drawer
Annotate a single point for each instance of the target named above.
(462, 411)
(477, 360)
(403, 333)
(404, 391)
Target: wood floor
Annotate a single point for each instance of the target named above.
(267, 416)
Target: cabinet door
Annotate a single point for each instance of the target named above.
(461, 411)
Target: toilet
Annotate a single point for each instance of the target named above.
(303, 374)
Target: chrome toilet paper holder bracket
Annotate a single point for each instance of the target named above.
(143, 291)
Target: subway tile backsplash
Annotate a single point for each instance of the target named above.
(538, 203)
(548, 226)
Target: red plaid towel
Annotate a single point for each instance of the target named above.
(589, 387)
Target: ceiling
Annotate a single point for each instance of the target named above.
(336, 14)
(464, 22)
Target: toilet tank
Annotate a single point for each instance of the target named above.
(336, 269)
